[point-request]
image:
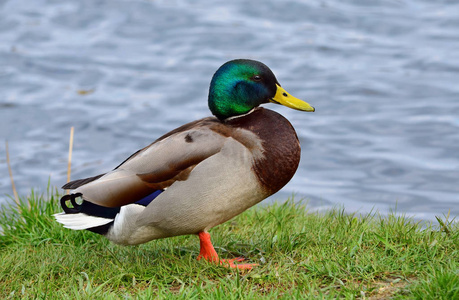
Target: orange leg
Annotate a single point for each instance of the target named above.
(208, 253)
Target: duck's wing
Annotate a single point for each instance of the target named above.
(79, 182)
(170, 158)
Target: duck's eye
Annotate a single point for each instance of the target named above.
(256, 78)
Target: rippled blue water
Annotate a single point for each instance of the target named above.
(383, 76)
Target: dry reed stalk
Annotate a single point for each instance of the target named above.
(16, 197)
(69, 166)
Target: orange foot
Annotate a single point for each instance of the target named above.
(208, 253)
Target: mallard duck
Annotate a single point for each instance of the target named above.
(198, 175)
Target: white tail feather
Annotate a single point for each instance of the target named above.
(80, 221)
(124, 231)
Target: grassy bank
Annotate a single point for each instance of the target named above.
(300, 254)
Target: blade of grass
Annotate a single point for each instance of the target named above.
(69, 166)
(16, 197)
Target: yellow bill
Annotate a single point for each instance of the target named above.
(284, 98)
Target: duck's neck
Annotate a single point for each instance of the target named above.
(240, 116)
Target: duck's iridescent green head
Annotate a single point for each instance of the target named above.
(240, 85)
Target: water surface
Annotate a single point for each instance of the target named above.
(383, 76)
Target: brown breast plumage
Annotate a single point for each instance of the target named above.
(280, 147)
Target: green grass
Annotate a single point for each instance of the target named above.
(301, 255)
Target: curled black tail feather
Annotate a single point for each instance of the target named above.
(71, 197)
(87, 207)
(90, 209)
